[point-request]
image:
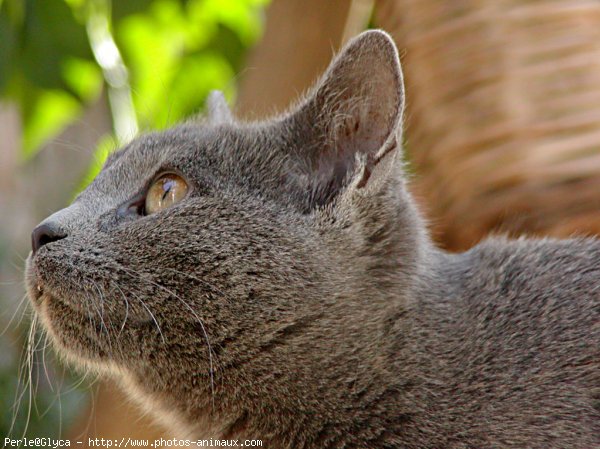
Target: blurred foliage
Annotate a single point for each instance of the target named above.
(173, 52)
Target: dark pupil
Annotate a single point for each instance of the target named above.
(167, 186)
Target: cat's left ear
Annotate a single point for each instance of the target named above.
(218, 109)
(351, 121)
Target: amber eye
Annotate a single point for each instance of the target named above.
(164, 192)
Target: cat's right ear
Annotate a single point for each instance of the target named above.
(348, 128)
(218, 109)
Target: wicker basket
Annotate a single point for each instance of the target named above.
(503, 113)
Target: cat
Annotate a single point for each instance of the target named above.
(275, 281)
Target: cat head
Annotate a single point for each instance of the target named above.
(194, 246)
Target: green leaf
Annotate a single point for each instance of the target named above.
(51, 112)
(83, 77)
(178, 51)
(49, 36)
(242, 16)
(196, 77)
(8, 45)
(124, 8)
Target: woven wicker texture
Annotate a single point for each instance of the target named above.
(503, 113)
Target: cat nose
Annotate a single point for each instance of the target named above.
(46, 233)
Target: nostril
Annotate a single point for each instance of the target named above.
(44, 234)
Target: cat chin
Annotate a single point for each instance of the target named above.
(87, 358)
(77, 341)
(74, 344)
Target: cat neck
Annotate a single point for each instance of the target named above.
(289, 389)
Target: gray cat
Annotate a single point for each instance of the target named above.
(275, 281)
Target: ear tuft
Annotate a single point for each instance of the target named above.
(218, 110)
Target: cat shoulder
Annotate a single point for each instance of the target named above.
(533, 273)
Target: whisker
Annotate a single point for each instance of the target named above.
(126, 310)
(22, 260)
(151, 315)
(202, 281)
(37, 339)
(20, 388)
(100, 312)
(210, 351)
(22, 304)
(25, 369)
(44, 364)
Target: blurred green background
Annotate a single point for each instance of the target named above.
(79, 78)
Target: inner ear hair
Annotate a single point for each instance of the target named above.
(350, 120)
(372, 160)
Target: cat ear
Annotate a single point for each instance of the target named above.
(351, 120)
(218, 110)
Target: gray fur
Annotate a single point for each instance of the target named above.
(302, 262)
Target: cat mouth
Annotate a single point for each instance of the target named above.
(70, 327)
(46, 301)
(38, 292)
(45, 289)
(43, 298)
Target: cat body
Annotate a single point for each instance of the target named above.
(292, 294)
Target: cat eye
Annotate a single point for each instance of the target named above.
(167, 190)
